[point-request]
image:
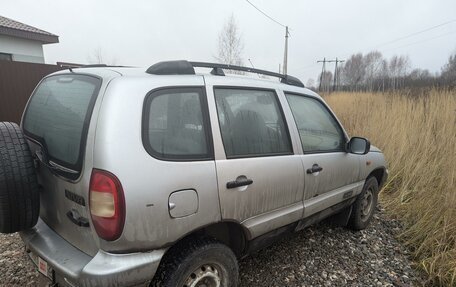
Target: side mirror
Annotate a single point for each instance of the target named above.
(358, 145)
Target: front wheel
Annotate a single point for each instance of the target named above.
(364, 207)
(201, 262)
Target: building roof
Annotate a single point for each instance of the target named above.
(13, 28)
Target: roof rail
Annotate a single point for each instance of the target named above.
(101, 66)
(94, 66)
(183, 67)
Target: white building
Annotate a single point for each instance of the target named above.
(23, 43)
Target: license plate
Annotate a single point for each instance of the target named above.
(42, 266)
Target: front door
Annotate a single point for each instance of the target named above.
(259, 177)
(331, 174)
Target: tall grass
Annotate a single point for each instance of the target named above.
(418, 136)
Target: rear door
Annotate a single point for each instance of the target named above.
(331, 174)
(56, 123)
(259, 177)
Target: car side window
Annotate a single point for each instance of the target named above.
(251, 123)
(318, 129)
(175, 124)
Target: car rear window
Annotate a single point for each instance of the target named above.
(175, 125)
(58, 116)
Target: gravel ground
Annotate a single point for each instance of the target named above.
(318, 256)
(15, 267)
(326, 256)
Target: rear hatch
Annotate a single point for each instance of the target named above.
(56, 123)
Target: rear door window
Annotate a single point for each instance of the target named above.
(58, 116)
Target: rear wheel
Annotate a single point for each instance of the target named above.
(19, 195)
(201, 262)
(364, 207)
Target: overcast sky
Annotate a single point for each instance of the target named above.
(143, 32)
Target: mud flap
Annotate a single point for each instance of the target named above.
(341, 218)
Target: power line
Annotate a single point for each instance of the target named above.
(417, 33)
(323, 72)
(314, 66)
(324, 61)
(259, 10)
(408, 35)
(335, 84)
(415, 43)
(287, 34)
(422, 41)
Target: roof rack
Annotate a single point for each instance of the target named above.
(187, 68)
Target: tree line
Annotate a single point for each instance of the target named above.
(374, 72)
(360, 72)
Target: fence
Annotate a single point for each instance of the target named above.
(17, 81)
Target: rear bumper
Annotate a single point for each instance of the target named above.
(79, 269)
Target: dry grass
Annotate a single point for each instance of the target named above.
(418, 137)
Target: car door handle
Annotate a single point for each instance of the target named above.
(241, 180)
(315, 168)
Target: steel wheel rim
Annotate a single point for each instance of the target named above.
(207, 275)
(367, 203)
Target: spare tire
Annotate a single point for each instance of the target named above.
(19, 193)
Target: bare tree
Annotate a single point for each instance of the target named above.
(449, 71)
(326, 81)
(230, 45)
(354, 71)
(383, 75)
(373, 65)
(419, 74)
(373, 72)
(398, 67)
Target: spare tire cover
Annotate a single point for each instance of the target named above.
(19, 193)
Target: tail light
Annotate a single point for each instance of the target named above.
(107, 205)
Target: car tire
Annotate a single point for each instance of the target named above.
(200, 260)
(19, 194)
(364, 207)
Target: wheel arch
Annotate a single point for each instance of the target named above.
(381, 174)
(232, 234)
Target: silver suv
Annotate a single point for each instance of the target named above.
(167, 177)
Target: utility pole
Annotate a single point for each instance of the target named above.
(285, 56)
(323, 70)
(287, 34)
(336, 74)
